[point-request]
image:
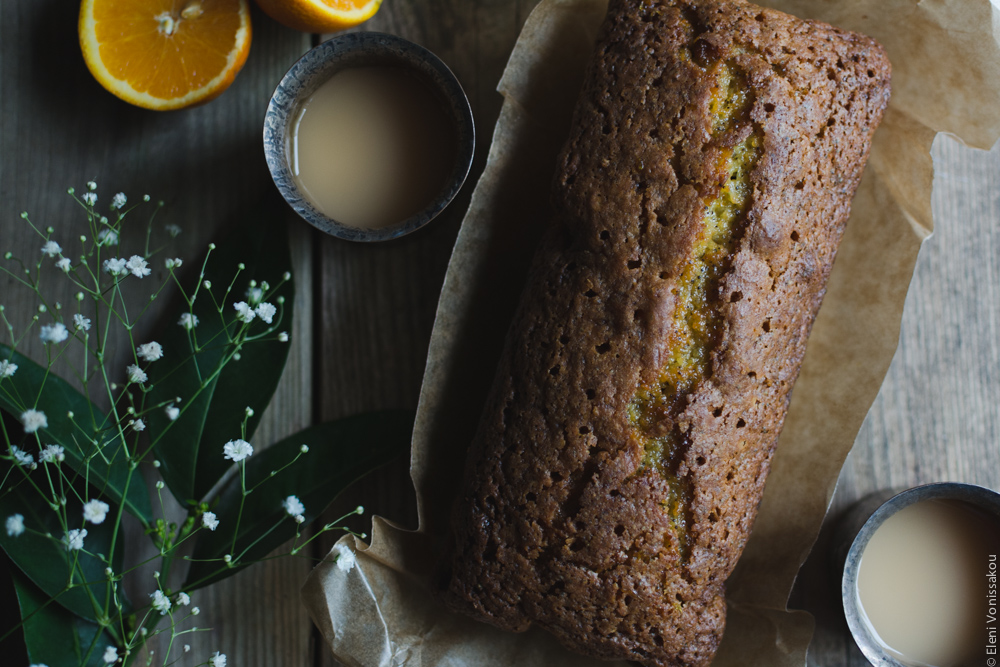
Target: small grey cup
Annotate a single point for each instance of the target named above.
(363, 49)
(856, 529)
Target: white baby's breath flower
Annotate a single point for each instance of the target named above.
(21, 457)
(174, 263)
(244, 312)
(81, 322)
(52, 454)
(151, 351)
(293, 505)
(210, 521)
(91, 185)
(51, 248)
(173, 230)
(188, 321)
(283, 337)
(119, 200)
(7, 369)
(237, 450)
(183, 599)
(107, 237)
(304, 449)
(139, 425)
(345, 558)
(187, 648)
(73, 539)
(53, 333)
(160, 602)
(265, 311)
(64, 264)
(90, 198)
(299, 518)
(34, 420)
(116, 266)
(173, 412)
(217, 660)
(95, 511)
(138, 266)
(15, 525)
(110, 655)
(136, 374)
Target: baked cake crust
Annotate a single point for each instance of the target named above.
(699, 201)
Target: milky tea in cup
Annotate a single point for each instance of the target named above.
(927, 585)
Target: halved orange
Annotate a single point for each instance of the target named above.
(320, 15)
(165, 54)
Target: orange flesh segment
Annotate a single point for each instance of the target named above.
(136, 47)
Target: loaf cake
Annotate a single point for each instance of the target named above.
(698, 204)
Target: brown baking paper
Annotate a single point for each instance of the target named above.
(374, 604)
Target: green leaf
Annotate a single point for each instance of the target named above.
(55, 637)
(213, 407)
(34, 387)
(42, 557)
(340, 452)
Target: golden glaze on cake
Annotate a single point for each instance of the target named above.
(699, 202)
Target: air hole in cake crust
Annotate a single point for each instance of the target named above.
(735, 296)
(590, 394)
(766, 326)
(605, 235)
(619, 531)
(603, 347)
(740, 423)
(590, 294)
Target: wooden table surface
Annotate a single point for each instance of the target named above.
(364, 312)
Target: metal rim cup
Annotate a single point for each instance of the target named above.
(356, 50)
(869, 522)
